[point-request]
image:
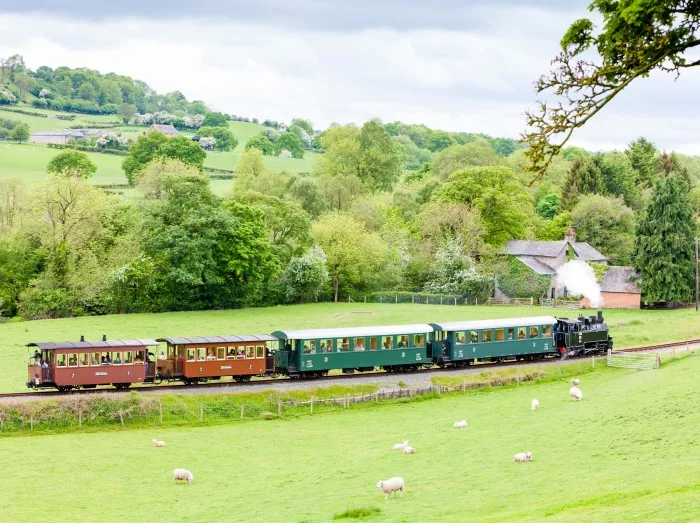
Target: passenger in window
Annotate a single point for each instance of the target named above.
(359, 348)
(323, 347)
(37, 357)
(139, 358)
(94, 360)
(161, 356)
(306, 349)
(521, 334)
(240, 354)
(118, 360)
(231, 355)
(73, 360)
(287, 346)
(510, 334)
(211, 354)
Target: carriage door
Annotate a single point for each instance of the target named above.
(179, 359)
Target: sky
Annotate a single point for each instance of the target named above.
(456, 65)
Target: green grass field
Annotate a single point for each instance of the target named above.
(640, 327)
(627, 452)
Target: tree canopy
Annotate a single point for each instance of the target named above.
(72, 163)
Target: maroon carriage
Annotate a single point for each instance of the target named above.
(202, 358)
(85, 364)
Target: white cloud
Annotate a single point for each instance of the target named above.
(477, 79)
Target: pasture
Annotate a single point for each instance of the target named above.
(626, 452)
(640, 327)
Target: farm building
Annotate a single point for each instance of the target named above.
(168, 130)
(60, 137)
(619, 289)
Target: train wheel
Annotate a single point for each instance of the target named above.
(64, 388)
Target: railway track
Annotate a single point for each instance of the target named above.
(206, 387)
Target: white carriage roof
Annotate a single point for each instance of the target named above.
(350, 332)
(199, 340)
(494, 324)
(100, 344)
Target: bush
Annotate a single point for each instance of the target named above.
(519, 281)
(4, 133)
(40, 103)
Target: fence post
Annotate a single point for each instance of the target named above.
(476, 301)
(413, 299)
(593, 361)
(161, 411)
(279, 407)
(455, 301)
(609, 357)
(538, 373)
(532, 301)
(312, 404)
(201, 412)
(440, 300)
(376, 398)
(397, 298)
(464, 386)
(242, 410)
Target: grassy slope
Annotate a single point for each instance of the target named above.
(677, 325)
(623, 453)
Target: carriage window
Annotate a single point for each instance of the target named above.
(260, 351)
(128, 358)
(511, 334)
(388, 342)
(373, 343)
(201, 353)
(403, 341)
(190, 354)
(211, 353)
(84, 359)
(309, 346)
(534, 332)
(486, 336)
(231, 354)
(326, 345)
(473, 337)
(61, 360)
(419, 340)
(500, 334)
(72, 360)
(116, 358)
(521, 333)
(250, 352)
(547, 330)
(343, 344)
(138, 357)
(240, 353)
(221, 353)
(95, 358)
(461, 337)
(359, 344)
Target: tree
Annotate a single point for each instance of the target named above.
(304, 124)
(637, 37)
(607, 224)
(86, 91)
(152, 178)
(475, 153)
(554, 229)
(454, 272)
(65, 87)
(21, 260)
(414, 155)
(441, 223)
(643, 155)
(127, 112)
(306, 276)
(250, 164)
(20, 133)
(225, 140)
(664, 257)
(619, 176)
(381, 158)
(585, 177)
(71, 164)
(157, 145)
(214, 119)
(262, 143)
(307, 192)
(290, 142)
(24, 83)
(13, 200)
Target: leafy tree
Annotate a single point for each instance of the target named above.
(127, 112)
(454, 272)
(308, 193)
(442, 223)
(371, 209)
(503, 203)
(71, 163)
(607, 224)
(643, 157)
(305, 276)
(664, 257)
(304, 124)
(157, 145)
(438, 140)
(637, 37)
(290, 142)
(517, 280)
(24, 83)
(414, 155)
(13, 200)
(20, 133)
(584, 177)
(341, 190)
(475, 153)
(342, 151)
(619, 176)
(554, 229)
(250, 164)
(151, 179)
(381, 159)
(21, 260)
(214, 119)
(65, 87)
(86, 91)
(225, 140)
(262, 143)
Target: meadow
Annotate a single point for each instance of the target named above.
(623, 453)
(628, 327)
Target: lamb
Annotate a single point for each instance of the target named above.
(390, 486)
(400, 446)
(575, 382)
(535, 404)
(575, 394)
(522, 457)
(460, 424)
(408, 450)
(182, 475)
(158, 443)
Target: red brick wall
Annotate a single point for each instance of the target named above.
(617, 300)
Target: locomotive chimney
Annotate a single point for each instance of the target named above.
(104, 337)
(600, 316)
(82, 338)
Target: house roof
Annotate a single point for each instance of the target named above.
(165, 129)
(620, 279)
(352, 332)
(537, 265)
(198, 340)
(60, 132)
(585, 252)
(534, 248)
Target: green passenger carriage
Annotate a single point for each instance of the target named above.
(463, 342)
(312, 353)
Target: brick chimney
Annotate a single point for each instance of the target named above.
(570, 235)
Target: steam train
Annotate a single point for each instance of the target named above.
(310, 353)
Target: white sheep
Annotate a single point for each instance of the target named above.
(408, 450)
(390, 486)
(522, 457)
(460, 424)
(399, 446)
(535, 404)
(575, 382)
(575, 394)
(158, 443)
(183, 475)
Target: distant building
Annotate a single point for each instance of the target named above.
(619, 289)
(168, 130)
(60, 137)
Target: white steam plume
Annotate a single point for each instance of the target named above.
(578, 278)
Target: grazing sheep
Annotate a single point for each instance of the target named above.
(460, 424)
(575, 382)
(390, 486)
(182, 475)
(158, 443)
(408, 450)
(522, 457)
(575, 394)
(535, 404)
(400, 446)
